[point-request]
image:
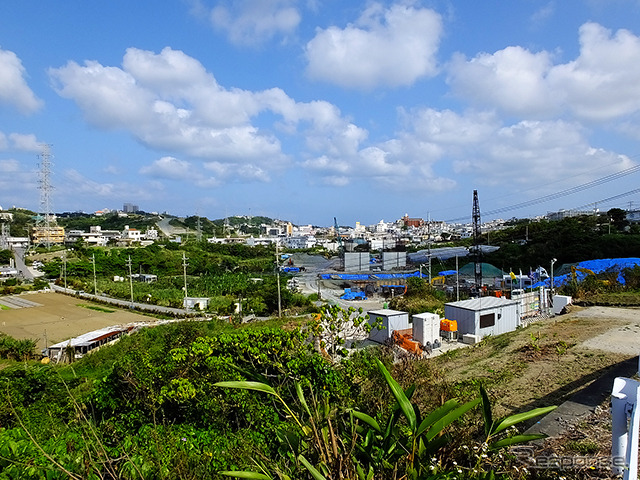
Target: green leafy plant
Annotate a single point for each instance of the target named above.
(366, 448)
(496, 430)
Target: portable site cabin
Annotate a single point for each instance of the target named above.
(86, 342)
(426, 328)
(484, 316)
(391, 320)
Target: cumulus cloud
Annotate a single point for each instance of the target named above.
(14, 90)
(25, 142)
(168, 167)
(251, 22)
(525, 153)
(20, 142)
(169, 102)
(86, 190)
(385, 47)
(601, 84)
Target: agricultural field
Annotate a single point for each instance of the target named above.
(59, 317)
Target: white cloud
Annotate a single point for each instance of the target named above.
(168, 167)
(251, 22)
(601, 84)
(512, 80)
(25, 142)
(169, 102)
(9, 166)
(86, 191)
(14, 90)
(543, 13)
(438, 149)
(20, 142)
(385, 47)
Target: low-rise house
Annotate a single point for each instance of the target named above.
(131, 234)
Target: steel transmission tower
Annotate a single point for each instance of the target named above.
(477, 258)
(46, 220)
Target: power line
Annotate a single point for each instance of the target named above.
(562, 193)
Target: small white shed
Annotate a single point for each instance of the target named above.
(484, 316)
(426, 327)
(390, 320)
(559, 302)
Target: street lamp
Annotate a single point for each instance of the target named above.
(553, 260)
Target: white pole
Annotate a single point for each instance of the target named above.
(95, 285)
(457, 281)
(184, 272)
(130, 279)
(278, 278)
(625, 418)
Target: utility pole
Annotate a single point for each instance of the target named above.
(95, 285)
(184, 273)
(278, 277)
(457, 281)
(130, 279)
(64, 270)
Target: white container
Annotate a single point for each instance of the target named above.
(559, 302)
(426, 327)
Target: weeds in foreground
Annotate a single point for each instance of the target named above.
(365, 448)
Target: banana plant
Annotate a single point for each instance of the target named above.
(317, 430)
(383, 448)
(493, 428)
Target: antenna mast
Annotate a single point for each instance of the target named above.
(476, 243)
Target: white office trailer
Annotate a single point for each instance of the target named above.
(484, 316)
(426, 328)
(390, 320)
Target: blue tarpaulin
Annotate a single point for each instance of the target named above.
(366, 276)
(596, 266)
(447, 272)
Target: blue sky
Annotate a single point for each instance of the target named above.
(309, 110)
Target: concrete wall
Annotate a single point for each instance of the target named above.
(356, 262)
(394, 260)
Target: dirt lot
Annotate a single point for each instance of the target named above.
(59, 318)
(549, 360)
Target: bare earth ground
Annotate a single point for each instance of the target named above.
(545, 364)
(59, 318)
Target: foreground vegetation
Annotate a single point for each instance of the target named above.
(152, 405)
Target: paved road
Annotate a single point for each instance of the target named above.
(24, 272)
(178, 312)
(316, 264)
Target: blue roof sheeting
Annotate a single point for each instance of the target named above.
(367, 276)
(596, 266)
